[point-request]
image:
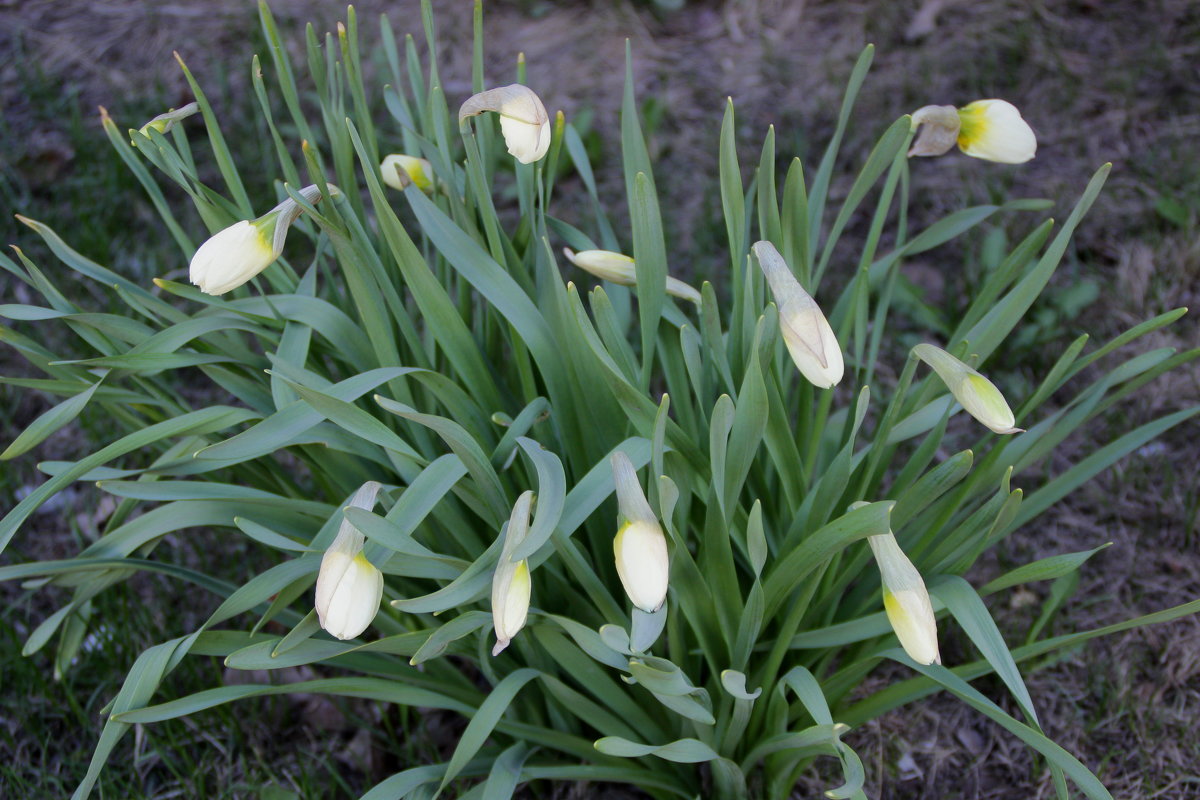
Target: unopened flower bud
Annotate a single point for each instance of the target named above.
(511, 584)
(989, 129)
(975, 393)
(640, 548)
(164, 122)
(398, 169)
(906, 600)
(806, 332)
(523, 119)
(236, 254)
(995, 130)
(620, 269)
(349, 587)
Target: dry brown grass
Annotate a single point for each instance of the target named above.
(1100, 81)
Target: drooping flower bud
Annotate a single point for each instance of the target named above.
(398, 169)
(511, 584)
(640, 548)
(806, 332)
(620, 269)
(164, 122)
(905, 599)
(349, 587)
(523, 119)
(236, 254)
(989, 129)
(975, 393)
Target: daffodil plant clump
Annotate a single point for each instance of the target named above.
(521, 468)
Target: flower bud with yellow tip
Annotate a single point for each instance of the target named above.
(806, 332)
(511, 583)
(349, 587)
(905, 599)
(523, 119)
(989, 129)
(975, 393)
(640, 548)
(236, 254)
(398, 169)
(996, 131)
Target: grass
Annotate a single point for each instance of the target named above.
(1139, 250)
(292, 746)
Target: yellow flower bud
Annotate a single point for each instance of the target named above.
(806, 332)
(620, 269)
(640, 548)
(523, 119)
(398, 168)
(349, 587)
(975, 393)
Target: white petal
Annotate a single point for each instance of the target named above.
(809, 338)
(643, 564)
(524, 141)
(417, 170)
(906, 600)
(977, 395)
(231, 257)
(994, 130)
(604, 264)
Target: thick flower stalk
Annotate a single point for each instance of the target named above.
(349, 587)
(511, 583)
(906, 600)
(806, 332)
(398, 170)
(640, 548)
(523, 119)
(621, 269)
(989, 129)
(236, 254)
(975, 393)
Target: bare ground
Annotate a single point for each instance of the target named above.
(1100, 81)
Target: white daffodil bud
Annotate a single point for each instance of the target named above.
(905, 600)
(975, 393)
(349, 587)
(511, 584)
(990, 129)
(164, 122)
(994, 130)
(233, 256)
(806, 332)
(398, 169)
(640, 548)
(523, 119)
(620, 269)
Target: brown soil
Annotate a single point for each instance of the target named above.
(1099, 81)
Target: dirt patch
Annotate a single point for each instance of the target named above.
(1099, 81)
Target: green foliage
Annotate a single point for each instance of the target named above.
(433, 344)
